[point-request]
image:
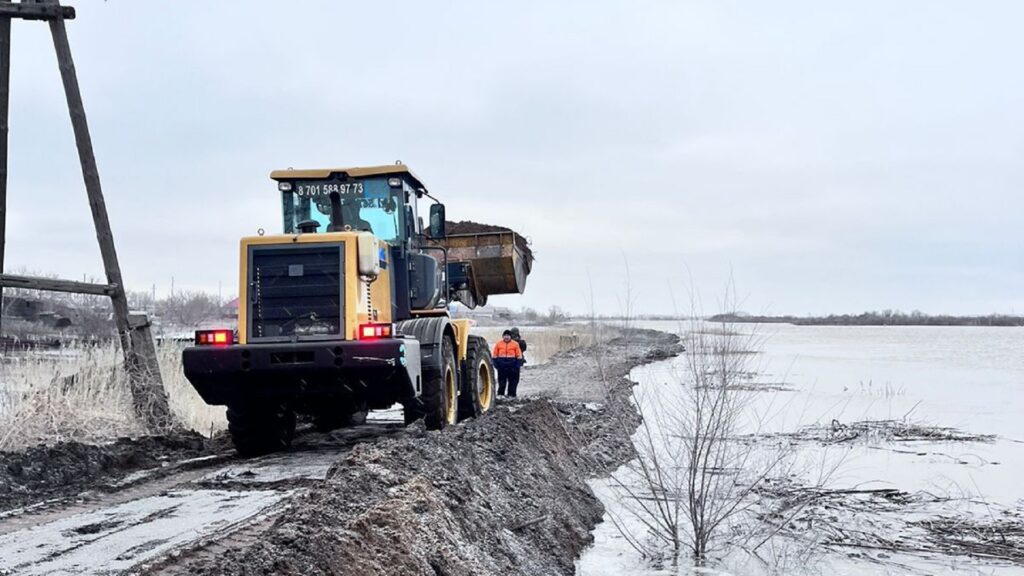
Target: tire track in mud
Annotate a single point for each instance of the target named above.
(199, 506)
(206, 550)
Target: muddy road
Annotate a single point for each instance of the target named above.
(505, 494)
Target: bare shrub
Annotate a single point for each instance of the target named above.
(702, 455)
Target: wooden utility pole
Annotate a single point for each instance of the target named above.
(149, 397)
(5, 82)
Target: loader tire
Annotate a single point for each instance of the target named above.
(341, 416)
(258, 429)
(410, 414)
(440, 393)
(477, 394)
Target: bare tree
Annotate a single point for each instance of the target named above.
(140, 300)
(530, 315)
(190, 309)
(555, 315)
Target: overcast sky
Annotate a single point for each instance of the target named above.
(829, 156)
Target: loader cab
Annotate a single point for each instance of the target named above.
(382, 200)
(347, 200)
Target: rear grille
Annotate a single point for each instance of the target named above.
(295, 291)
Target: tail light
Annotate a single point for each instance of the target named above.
(373, 331)
(214, 337)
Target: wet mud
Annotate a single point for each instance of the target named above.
(68, 468)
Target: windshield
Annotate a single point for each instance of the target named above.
(368, 204)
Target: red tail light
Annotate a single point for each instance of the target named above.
(373, 331)
(214, 337)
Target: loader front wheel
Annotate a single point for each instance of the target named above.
(341, 415)
(258, 429)
(477, 395)
(441, 392)
(410, 414)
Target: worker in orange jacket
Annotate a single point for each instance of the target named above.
(508, 358)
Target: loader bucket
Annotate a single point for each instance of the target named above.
(500, 261)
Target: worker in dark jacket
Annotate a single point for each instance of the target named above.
(522, 343)
(508, 359)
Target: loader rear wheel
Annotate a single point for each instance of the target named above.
(440, 393)
(477, 395)
(258, 429)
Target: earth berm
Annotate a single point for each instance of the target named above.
(505, 494)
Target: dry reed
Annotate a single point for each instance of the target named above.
(186, 405)
(82, 394)
(74, 394)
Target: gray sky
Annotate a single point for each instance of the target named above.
(829, 156)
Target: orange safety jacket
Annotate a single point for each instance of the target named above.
(507, 355)
(508, 349)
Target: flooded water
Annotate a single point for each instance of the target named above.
(968, 378)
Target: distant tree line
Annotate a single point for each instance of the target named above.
(878, 318)
(554, 315)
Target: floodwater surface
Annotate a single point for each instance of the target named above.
(967, 378)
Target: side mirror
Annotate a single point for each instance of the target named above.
(437, 221)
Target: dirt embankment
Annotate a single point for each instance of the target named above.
(505, 494)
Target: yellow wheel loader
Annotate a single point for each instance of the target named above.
(348, 310)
